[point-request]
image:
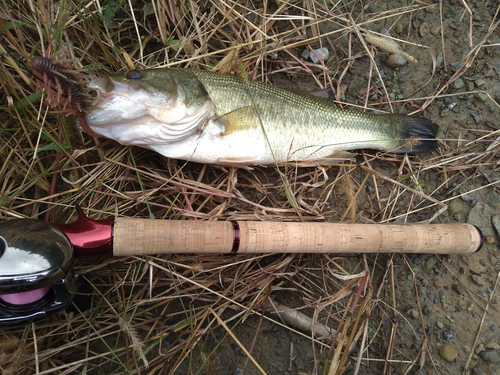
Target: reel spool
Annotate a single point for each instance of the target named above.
(36, 271)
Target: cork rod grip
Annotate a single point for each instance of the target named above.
(142, 236)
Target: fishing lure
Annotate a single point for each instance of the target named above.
(66, 84)
(62, 78)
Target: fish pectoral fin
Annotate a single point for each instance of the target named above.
(240, 119)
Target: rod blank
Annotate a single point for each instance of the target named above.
(142, 236)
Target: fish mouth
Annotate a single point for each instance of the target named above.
(111, 102)
(129, 113)
(102, 89)
(101, 85)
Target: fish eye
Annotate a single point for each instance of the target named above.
(134, 74)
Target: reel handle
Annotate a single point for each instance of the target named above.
(143, 236)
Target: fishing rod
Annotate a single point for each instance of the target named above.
(36, 258)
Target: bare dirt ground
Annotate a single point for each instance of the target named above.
(213, 314)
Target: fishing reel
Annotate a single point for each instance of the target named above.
(37, 278)
(36, 270)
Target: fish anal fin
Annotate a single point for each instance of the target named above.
(237, 162)
(341, 155)
(240, 119)
(334, 158)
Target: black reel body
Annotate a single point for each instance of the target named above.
(36, 271)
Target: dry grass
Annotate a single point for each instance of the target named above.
(177, 314)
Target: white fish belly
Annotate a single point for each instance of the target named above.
(251, 146)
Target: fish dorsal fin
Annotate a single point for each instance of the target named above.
(325, 94)
(240, 119)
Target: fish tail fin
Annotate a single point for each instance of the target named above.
(418, 134)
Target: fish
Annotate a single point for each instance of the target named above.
(214, 118)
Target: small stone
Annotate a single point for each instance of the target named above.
(403, 70)
(495, 221)
(319, 54)
(455, 65)
(479, 82)
(395, 61)
(458, 83)
(430, 263)
(440, 325)
(490, 356)
(493, 344)
(490, 73)
(305, 54)
(435, 30)
(477, 279)
(448, 352)
(479, 348)
(399, 28)
(414, 313)
(423, 29)
(445, 112)
(492, 51)
(490, 240)
(453, 25)
(493, 327)
(481, 96)
(467, 198)
(483, 262)
(477, 117)
(470, 306)
(447, 335)
(427, 310)
(455, 209)
(492, 197)
(469, 85)
(478, 371)
(457, 33)
(477, 17)
(439, 59)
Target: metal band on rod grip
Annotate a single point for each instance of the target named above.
(143, 236)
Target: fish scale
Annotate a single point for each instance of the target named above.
(231, 120)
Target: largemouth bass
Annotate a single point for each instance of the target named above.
(208, 117)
